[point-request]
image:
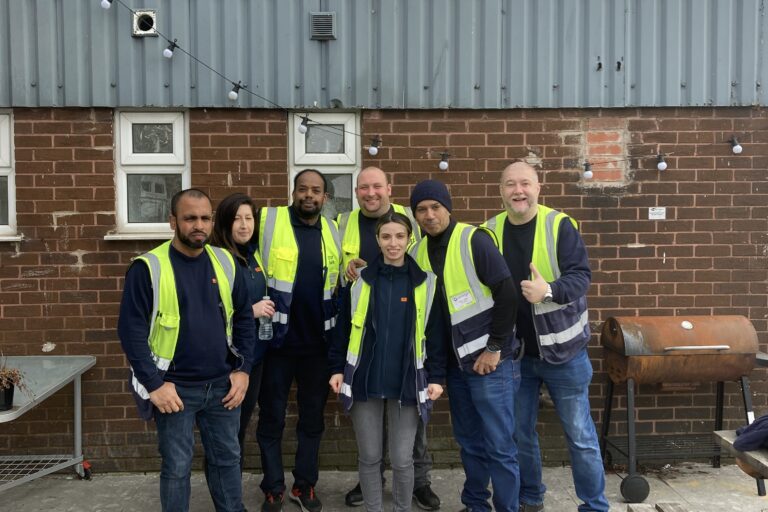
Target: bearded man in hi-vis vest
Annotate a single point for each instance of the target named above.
(300, 256)
(547, 256)
(186, 326)
(476, 300)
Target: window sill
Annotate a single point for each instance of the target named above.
(165, 235)
(11, 238)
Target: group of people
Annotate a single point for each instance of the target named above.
(388, 305)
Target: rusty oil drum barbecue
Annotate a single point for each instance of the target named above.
(664, 349)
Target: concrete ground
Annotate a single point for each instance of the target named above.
(696, 487)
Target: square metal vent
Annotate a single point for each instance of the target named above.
(144, 23)
(322, 25)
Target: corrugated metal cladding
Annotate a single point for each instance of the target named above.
(387, 53)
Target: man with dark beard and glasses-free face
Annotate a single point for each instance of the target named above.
(297, 245)
(187, 329)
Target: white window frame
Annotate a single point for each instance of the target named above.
(128, 157)
(339, 163)
(351, 151)
(128, 163)
(8, 231)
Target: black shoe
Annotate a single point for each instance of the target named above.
(425, 498)
(306, 498)
(354, 498)
(525, 507)
(272, 503)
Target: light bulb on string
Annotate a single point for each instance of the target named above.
(735, 146)
(106, 4)
(233, 94)
(661, 163)
(168, 52)
(588, 171)
(304, 126)
(443, 165)
(373, 149)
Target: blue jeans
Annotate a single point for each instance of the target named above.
(483, 416)
(568, 385)
(218, 431)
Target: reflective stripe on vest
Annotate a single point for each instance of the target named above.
(423, 297)
(469, 300)
(165, 317)
(280, 259)
(349, 231)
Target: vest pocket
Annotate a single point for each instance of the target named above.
(164, 334)
(167, 321)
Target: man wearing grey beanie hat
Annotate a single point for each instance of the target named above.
(476, 302)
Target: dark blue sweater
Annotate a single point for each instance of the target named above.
(574, 268)
(202, 355)
(306, 324)
(492, 272)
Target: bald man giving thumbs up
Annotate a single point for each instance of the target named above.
(546, 255)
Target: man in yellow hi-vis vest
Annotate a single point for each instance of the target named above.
(476, 300)
(186, 326)
(546, 255)
(357, 230)
(300, 257)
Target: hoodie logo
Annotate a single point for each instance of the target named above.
(403, 299)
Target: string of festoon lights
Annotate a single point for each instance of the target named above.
(238, 86)
(376, 142)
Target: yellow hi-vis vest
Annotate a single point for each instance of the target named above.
(349, 232)
(562, 330)
(544, 241)
(469, 300)
(280, 260)
(165, 318)
(360, 299)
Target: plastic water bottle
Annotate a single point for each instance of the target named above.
(265, 325)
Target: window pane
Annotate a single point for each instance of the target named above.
(149, 196)
(339, 195)
(4, 200)
(325, 138)
(152, 138)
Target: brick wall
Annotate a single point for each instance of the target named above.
(62, 283)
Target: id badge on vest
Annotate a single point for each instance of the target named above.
(462, 299)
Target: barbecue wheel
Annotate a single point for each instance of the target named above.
(634, 489)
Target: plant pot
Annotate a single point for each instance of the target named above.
(6, 398)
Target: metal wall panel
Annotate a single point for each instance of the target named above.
(388, 54)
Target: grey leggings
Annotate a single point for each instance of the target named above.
(368, 422)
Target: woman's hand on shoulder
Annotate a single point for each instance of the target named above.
(336, 381)
(434, 391)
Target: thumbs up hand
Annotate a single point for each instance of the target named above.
(535, 288)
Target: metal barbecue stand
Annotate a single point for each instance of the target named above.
(640, 331)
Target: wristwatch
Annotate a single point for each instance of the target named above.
(548, 295)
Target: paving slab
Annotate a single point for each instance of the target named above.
(694, 487)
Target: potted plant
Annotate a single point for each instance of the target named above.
(10, 379)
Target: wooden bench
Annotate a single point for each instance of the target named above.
(754, 463)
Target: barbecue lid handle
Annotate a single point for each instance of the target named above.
(688, 348)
